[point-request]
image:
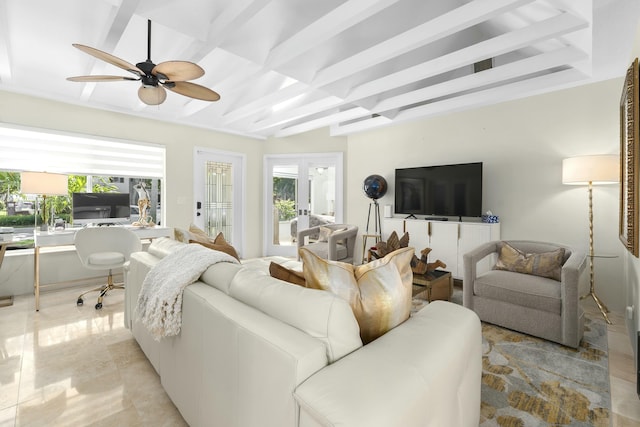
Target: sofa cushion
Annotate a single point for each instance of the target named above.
(220, 275)
(320, 314)
(544, 264)
(162, 246)
(525, 290)
(378, 292)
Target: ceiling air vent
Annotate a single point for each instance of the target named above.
(486, 64)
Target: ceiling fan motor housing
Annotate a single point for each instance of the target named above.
(148, 79)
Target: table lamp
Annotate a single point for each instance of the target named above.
(43, 184)
(590, 171)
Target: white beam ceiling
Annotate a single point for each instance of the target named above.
(284, 67)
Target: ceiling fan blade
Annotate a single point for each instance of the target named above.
(177, 71)
(107, 57)
(99, 78)
(193, 90)
(152, 95)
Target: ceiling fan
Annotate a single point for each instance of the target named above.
(172, 75)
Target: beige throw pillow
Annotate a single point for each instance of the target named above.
(283, 273)
(544, 264)
(378, 292)
(219, 243)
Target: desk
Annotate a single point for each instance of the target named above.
(65, 237)
(5, 301)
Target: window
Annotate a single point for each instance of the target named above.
(93, 164)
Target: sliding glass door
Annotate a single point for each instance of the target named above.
(300, 192)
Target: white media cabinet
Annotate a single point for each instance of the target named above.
(448, 240)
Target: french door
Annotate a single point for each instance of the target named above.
(299, 192)
(219, 194)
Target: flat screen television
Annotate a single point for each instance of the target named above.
(100, 208)
(447, 190)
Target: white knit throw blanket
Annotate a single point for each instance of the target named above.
(160, 301)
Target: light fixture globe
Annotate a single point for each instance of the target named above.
(375, 186)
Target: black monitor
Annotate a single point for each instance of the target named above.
(101, 208)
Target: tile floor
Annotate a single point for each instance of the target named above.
(75, 366)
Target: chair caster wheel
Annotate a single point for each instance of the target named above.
(79, 302)
(98, 306)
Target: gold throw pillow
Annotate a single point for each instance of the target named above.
(544, 264)
(378, 292)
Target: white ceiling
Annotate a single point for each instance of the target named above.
(284, 67)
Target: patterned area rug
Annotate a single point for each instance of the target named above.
(527, 381)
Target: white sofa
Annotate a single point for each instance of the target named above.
(257, 351)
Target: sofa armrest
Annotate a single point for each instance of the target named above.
(471, 260)
(304, 233)
(571, 278)
(349, 238)
(425, 372)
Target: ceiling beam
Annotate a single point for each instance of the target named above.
(496, 46)
(328, 26)
(460, 18)
(549, 28)
(116, 25)
(514, 70)
(504, 93)
(438, 28)
(346, 115)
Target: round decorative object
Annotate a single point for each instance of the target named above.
(375, 186)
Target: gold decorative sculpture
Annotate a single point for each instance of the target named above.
(144, 203)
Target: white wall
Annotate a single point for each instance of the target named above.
(522, 144)
(179, 141)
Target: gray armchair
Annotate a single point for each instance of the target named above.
(339, 246)
(534, 305)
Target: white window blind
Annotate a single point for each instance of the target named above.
(24, 149)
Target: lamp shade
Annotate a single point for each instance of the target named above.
(597, 169)
(44, 183)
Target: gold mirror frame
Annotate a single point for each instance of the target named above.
(629, 157)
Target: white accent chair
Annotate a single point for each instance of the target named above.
(105, 248)
(339, 246)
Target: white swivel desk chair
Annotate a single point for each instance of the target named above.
(105, 248)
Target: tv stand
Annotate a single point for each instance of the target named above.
(435, 218)
(449, 240)
(410, 216)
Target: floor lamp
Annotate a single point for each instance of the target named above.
(43, 184)
(590, 171)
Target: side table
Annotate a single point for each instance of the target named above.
(439, 284)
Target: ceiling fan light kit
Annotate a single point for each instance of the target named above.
(172, 75)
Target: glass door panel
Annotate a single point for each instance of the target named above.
(218, 192)
(302, 192)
